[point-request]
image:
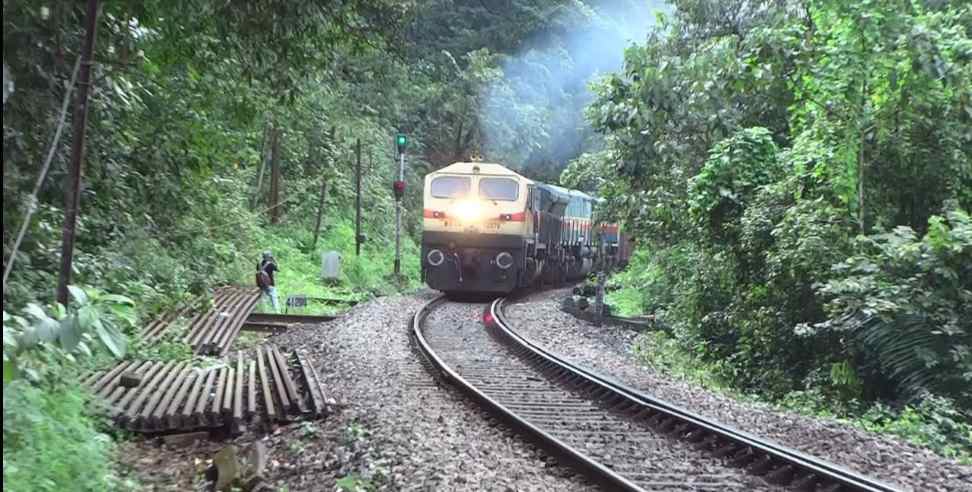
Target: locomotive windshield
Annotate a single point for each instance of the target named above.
(499, 189)
(450, 187)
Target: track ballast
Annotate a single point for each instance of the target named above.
(617, 436)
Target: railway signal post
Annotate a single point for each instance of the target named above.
(358, 239)
(602, 267)
(401, 141)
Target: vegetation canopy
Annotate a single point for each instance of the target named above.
(797, 175)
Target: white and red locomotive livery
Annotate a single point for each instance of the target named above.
(488, 229)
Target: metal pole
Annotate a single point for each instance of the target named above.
(357, 202)
(72, 196)
(398, 219)
(603, 266)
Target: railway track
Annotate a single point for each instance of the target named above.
(618, 437)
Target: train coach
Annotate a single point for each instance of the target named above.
(488, 229)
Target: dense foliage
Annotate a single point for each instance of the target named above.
(52, 429)
(906, 304)
(195, 103)
(797, 173)
(799, 176)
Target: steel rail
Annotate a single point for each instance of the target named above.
(788, 466)
(289, 319)
(594, 470)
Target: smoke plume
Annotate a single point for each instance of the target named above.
(533, 116)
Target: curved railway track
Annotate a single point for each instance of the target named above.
(618, 437)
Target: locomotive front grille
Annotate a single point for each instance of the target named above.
(455, 261)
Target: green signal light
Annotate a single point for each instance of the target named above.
(401, 140)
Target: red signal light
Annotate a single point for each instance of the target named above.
(488, 318)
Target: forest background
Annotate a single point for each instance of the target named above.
(797, 175)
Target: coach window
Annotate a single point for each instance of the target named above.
(450, 187)
(499, 189)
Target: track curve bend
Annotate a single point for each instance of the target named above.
(618, 437)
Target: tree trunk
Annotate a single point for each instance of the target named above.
(264, 160)
(275, 178)
(72, 195)
(7, 84)
(860, 186)
(320, 210)
(457, 148)
(357, 202)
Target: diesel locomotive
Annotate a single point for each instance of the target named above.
(487, 229)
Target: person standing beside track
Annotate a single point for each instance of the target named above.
(265, 279)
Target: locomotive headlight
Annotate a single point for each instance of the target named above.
(504, 260)
(435, 257)
(467, 211)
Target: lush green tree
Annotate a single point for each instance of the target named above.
(904, 303)
(748, 143)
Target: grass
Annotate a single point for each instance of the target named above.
(639, 282)
(934, 423)
(663, 353)
(52, 443)
(355, 483)
(170, 347)
(626, 301)
(361, 277)
(355, 432)
(250, 339)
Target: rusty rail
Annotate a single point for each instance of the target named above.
(268, 386)
(212, 331)
(276, 323)
(558, 412)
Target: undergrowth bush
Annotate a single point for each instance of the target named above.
(51, 442)
(936, 423)
(903, 306)
(663, 353)
(788, 316)
(642, 286)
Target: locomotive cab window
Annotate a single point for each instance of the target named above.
(504, 189)
(450, 187)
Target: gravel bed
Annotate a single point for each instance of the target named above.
(455, 332)
(393, 428)
(403, 432)
(609, 351)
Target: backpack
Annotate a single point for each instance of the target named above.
(262, 279)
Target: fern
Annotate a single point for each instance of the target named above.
(906, 303)
(903, 350)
